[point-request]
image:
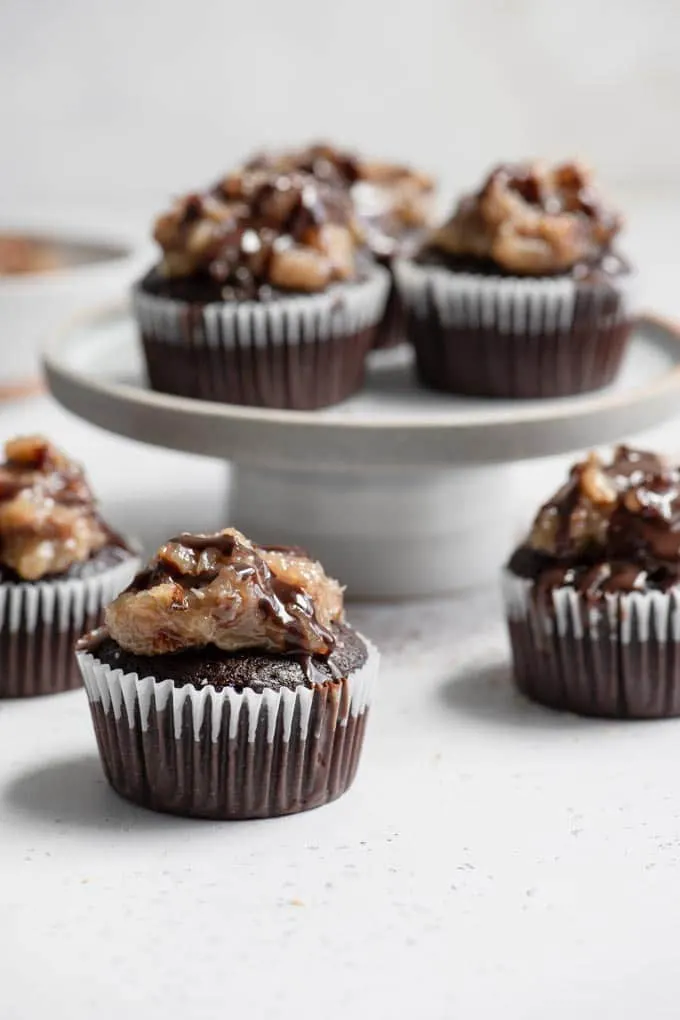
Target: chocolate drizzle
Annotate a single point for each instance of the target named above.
(611, 528)
(221, 589)
(260, 230)
(49, 521)
(393, 201)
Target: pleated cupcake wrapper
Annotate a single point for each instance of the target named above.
(618, 656)
(299, 353)
(225, 753)
(41, 622)
(517, 338)
(518, 305)
(341, 311)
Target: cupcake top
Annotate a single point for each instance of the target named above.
(224, 591)
(261, 230)
(612, 527)
(48, 515)
(531, 219)
(393, 201)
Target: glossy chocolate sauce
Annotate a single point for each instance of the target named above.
(256, 234)
(288, 604)
(612, 528)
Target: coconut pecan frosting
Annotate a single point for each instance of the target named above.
(223, 590)
(531, 219)
(612, 525)
(261, 227)
(48, 515)
(390, 199)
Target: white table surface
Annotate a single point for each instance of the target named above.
(492, 860)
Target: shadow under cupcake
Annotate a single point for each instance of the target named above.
(226, 683)
(60, 565)
(521, 293)
(262, 296)
(593, 595)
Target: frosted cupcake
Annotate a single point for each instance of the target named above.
(394, 204)
(262, 296)
(227, 684)
(593, 594)
(521, 293)
(60, 564)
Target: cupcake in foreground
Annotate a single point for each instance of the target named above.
(226, 683)
(60, 565)
(262, 296)
(521, 294)
(394, 204)
(593, 595)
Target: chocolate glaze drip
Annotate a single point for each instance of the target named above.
(260, 229)
(309, 666)
(224, 543)
(617, 530)
(49, 521)
(278, 599)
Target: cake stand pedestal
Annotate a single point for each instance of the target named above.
(392, 533)
(399, 491)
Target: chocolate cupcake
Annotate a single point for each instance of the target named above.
(593, 595)
(394, 204)
(262, 296)
(521, 294)
(226, 683)
(60, 564)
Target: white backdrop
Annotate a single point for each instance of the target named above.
(121, 103)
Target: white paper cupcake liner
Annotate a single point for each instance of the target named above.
(514, 338)
(618, 656)
(528, 306)
(40, 623)
(299, 353)
(340, 311)
(225, 753)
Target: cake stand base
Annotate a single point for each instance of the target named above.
(395, 534)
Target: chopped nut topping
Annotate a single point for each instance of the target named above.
(531, 219)
(262, 227)
(390, 200)
(630, 504)
(222, 590)
(48, 516)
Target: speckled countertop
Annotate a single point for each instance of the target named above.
(493, 859)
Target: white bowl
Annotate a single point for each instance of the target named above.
(90, 268)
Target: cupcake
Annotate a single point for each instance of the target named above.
(593, 594)
(60, 564)
(394, 204)
(262, 296)
(521, 293)
(226, 683)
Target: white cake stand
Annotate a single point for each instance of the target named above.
(399, 491)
